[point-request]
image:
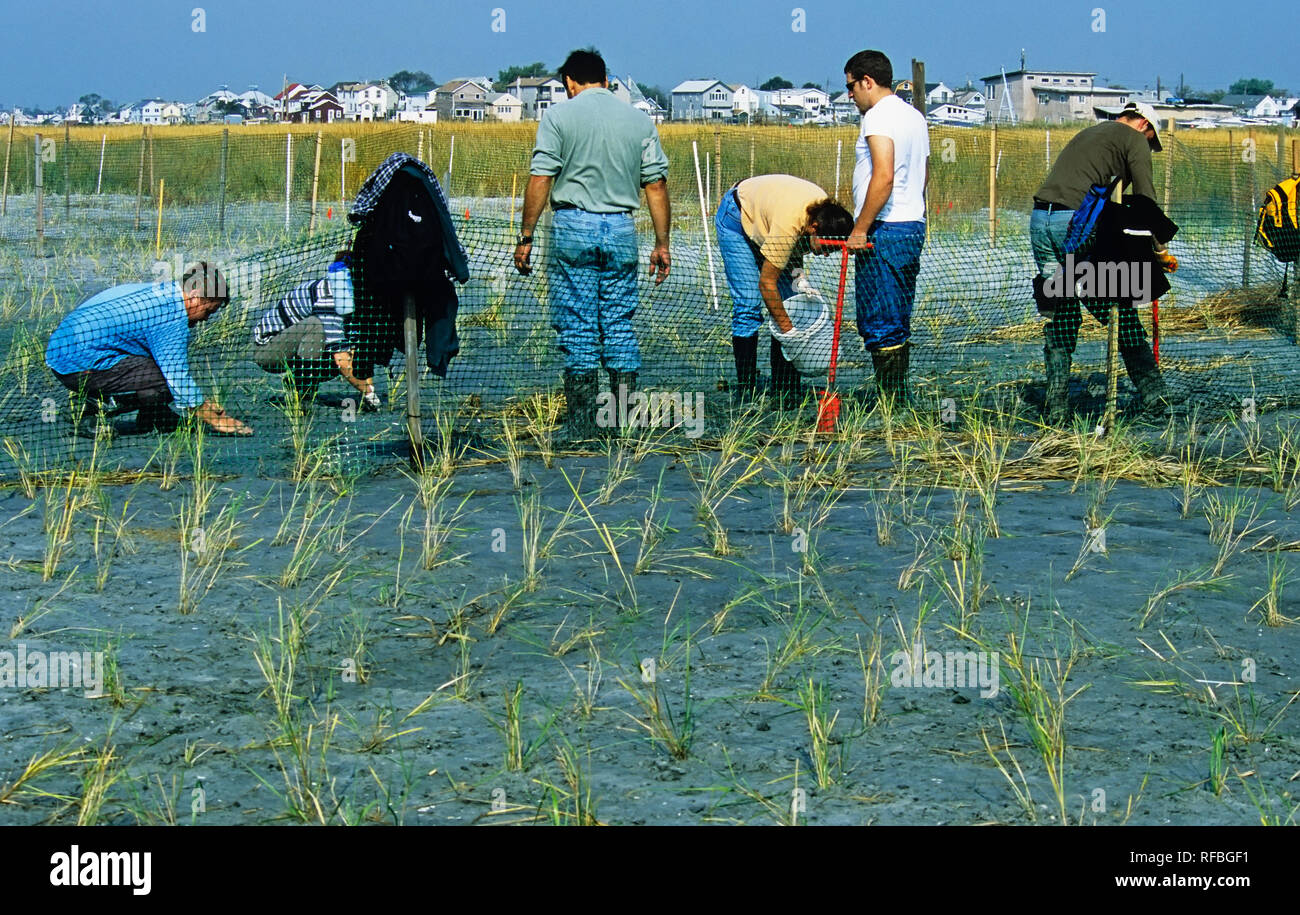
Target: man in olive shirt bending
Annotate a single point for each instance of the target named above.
(593, 155)
(1120, 148)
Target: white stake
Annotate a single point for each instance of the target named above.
(99, 183)
(451, 161)
(288, 175)
(704, 218)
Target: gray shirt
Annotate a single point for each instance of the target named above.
(600, 150)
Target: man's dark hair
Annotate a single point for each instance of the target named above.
(584, 67)
(833, 221)
(873, 64)
(206, 280)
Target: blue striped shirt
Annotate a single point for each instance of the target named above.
(138, 319)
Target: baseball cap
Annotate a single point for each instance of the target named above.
(1143, 110)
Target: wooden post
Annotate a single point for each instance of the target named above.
(4, 195)
(288, 176)
(1047, 155)
(315, 182)
(225, 157)
(410, 335)
(157, 238)
(1295, 157)
(1245, 254)
(751, 155)
(1168, 145)
(1112, 346)
(40, 198)
(139, 180)
(343, 175)
(67, 172)
(99, 182)
(149, 130)
(419, 147)
(918, 85)
(993, 186)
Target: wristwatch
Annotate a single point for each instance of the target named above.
(524, 239)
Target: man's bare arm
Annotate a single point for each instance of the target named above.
(656, 198)
(767, 278)
(536, 194)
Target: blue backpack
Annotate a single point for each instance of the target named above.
(1083, 224)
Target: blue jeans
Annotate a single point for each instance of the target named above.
(742, 260)
(885, 283)
(592, 270)
(1047, 238)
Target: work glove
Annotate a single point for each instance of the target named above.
(1167, 261)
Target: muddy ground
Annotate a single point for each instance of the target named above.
(404, 674)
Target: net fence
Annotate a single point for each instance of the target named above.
(88, 208)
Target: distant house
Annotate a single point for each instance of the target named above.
(365, 101)
(802, 106)
(970, 98)
(462, 100)
(538, 93)
(1053, 96)
(322, 108)
(952, 113)
(502, 106)
(621, 89)
(173, 113)
(652, 109)
(844, 109)
(418, 108)
(744, 100)
(702, 100)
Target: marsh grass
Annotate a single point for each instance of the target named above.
(826, 752)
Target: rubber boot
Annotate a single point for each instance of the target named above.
(90, 418)
(1056, 401)
(619, 380)
(787, 388)
(580, 387)
(1153, 396)
(745, 350)
(891, 367)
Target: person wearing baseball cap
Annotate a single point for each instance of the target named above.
(1120, 149)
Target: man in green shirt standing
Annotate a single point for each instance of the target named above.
(1120, 148)
(593, 155)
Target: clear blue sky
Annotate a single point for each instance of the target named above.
(56, 50)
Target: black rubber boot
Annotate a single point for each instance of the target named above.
(155, 415)
(787, 389)
(89, 418)
(745, 350)
(1056, 399)
(1153, 396)
(580, 388)
(891, 367)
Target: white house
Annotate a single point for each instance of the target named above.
(502, 106)
(702, 100)
(843, 109)
(365, 101)
(952, 113)
(173, 113)
(537, 93)
(744, 100)
(802, 106)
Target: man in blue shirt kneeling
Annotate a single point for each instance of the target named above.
(131, 343)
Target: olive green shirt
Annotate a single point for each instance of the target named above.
(600, 150)
(1094, 156)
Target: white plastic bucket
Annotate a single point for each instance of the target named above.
(808, 344)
